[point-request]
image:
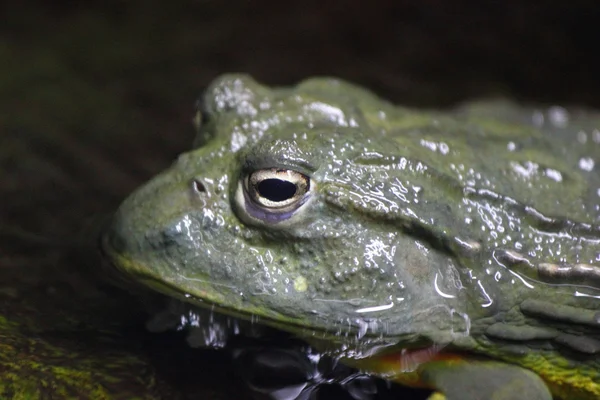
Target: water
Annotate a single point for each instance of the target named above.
(287, 369)
(271, 364)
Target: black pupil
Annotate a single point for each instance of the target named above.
(276, 189)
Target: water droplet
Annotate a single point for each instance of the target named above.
(554, 174)
(558, 116)
(586, 163)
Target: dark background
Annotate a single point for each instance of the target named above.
(97, 96)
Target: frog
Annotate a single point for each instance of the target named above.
(451, 249)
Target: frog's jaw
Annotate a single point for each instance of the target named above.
(203, 291)
(325, 334)
(221, 303)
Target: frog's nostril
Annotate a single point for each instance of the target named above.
(198, 186)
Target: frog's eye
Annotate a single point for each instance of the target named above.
(277, 190)
(272, 195)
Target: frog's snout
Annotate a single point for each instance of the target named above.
(122, 237)
(151, 218)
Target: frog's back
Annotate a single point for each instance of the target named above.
(544, 157)
(519, 195)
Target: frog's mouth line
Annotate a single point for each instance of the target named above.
(409, 350)
(284, 324)
(135, 273)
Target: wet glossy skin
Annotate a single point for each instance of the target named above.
(369, 228)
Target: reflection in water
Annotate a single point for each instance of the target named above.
(272, 364)
(286, 369)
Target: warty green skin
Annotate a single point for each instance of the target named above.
(420, 227)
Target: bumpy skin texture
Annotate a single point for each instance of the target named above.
(474, 232)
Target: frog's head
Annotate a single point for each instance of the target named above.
(291, 213)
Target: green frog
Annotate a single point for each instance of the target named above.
(457, 251)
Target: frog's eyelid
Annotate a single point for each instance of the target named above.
(257, 163)
(265, 154)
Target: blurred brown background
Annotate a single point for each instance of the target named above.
(97, 96)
